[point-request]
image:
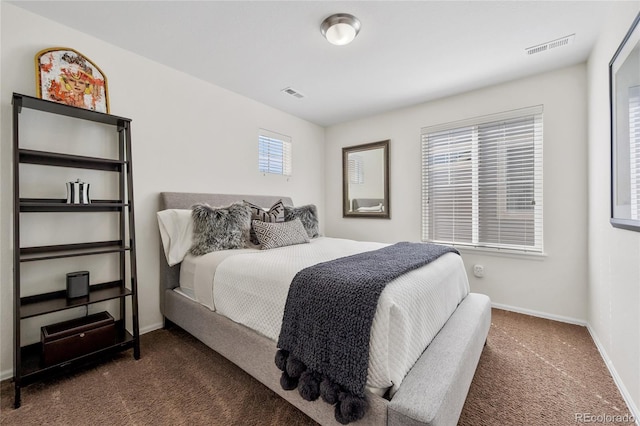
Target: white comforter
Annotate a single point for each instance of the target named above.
(250, 287)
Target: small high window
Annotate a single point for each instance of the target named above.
(274, 153)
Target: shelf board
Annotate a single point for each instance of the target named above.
(30, 205)
(32, 371)
(29, 254)
(45, 158)
(62, 109)
(40, 304)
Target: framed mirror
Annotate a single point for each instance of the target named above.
(624, 86)
(365, 180)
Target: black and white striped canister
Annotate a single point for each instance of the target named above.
(78, 192)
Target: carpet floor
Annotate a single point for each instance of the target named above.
(532, 372)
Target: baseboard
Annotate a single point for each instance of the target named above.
(151, 327)
(616, 378)
(539, 314)
(8, 374)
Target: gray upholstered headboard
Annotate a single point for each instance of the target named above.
(170, 275)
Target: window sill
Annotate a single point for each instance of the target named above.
(501, 252)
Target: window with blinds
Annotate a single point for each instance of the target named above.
(634, 147)
(355, 169)
(482, 182)
(274, 153)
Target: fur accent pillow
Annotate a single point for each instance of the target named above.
(274, 214)
(308, 215)
(273, 235)
(219, 228)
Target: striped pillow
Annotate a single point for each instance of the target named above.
(274, 215)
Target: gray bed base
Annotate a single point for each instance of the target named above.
(432, 393)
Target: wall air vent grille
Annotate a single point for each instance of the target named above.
(564, 41)
(292, 92)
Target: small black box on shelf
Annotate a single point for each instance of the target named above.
(77, 284)
(67, 340)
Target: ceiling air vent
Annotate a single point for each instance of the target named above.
(564, 41)
(293, 92)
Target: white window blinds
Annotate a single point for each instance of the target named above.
(356, 169)
(482, 182)
(634, 147)
(274, 153)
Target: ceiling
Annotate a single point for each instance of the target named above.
(407, 52)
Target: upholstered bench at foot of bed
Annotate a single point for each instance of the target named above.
(434, 390)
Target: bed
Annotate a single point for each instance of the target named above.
(432, 392)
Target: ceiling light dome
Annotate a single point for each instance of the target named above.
(340, 29)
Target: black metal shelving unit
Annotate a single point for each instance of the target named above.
(28, 367)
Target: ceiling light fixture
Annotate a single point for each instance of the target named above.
(340, 29)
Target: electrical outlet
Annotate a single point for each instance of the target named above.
(478, 271)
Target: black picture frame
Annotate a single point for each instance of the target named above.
(624, 103)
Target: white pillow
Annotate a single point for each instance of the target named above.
(377, 208)
(176, 230)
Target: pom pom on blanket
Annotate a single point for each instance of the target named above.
(329, 391)
(281, 359)
(295, 367)
(309, 385)
(287, 382)
(350, 408)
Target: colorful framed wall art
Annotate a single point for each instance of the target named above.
(67, 76)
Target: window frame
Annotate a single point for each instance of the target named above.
(468, 130)
(282, 165)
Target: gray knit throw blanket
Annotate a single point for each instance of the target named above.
(324, 339)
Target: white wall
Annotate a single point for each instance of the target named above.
(554, 285)
(187, 136)
(614, 254)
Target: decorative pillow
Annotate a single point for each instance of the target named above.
(176, 231)
(308, 215)
(220, 228)
(272, 235)
(274, 214)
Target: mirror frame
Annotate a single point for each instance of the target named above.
(621, 183)
(386, 214)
